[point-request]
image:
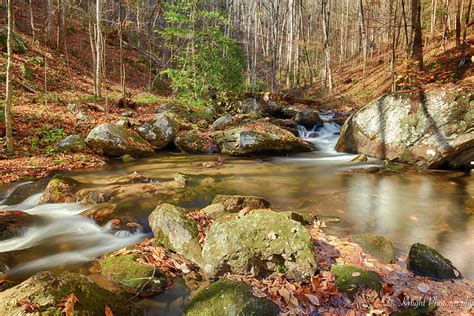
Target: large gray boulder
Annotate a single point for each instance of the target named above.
(175, 231)
(260, 138)
(431, 129)
(111, 140)
(260, 243)
(160, 131)
(227, 297)
(44, 292)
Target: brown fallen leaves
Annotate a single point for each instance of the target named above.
(27, 305)
(68, 303)
(203, 221)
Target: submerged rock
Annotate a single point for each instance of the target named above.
(425, 261)
(60, 189)
(433, 129)
(92, 196)
(235, 203)
(260, 138)
(72, 143)
(111, 140)
(377, 246)
(12, 223)
(351, 279)
(175, 231)
(260, 243)
(227, 297)
(196, 142)
(161, 131)
(133, 274)
(45, 291)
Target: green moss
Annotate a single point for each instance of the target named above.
(426, 261)
(350, 279)
(127, 271)
(377, 246)
(226, 297)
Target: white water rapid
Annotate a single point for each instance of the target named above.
(68, 237)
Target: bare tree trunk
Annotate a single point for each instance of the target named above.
(32, 21)
(417, 46)
(458, 24)
(363, 34)
(8, 83)
(466, 26)
(98, 47)
(48, 22)
(122, 65)
(327, 81)
(433, 17)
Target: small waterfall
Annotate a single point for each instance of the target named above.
(324, 137)
(69, 238)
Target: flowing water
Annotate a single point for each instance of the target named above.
(431, 208)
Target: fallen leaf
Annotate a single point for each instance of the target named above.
(356, 274)
(27, 305)
(313, 299)
(423, 287)
(108, 311)
(69, 302)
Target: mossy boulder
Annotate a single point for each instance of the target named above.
(222, 122)
(377, 246)
(195, 142)
(249, 106)
(235, 203)
(60, 189)
(175, 231)
(260, 138)
(227, 297)
(111, 140)
(351, 279)
(49, 289)
(132, 273)
(92, 196)
(160, 131)
(215, 211)
(18, 43)
(426, 261)
(72, 143)
(261, 243)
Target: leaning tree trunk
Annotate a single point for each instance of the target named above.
(8, 83)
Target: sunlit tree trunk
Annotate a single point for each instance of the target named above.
(417, 46)
(9, 78)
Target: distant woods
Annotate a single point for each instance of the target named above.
(285, 43)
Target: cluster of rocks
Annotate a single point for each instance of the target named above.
(251, 127)
(245, 237)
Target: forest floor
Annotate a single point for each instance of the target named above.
(48, 80)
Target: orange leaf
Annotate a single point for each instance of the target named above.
(108, 311)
